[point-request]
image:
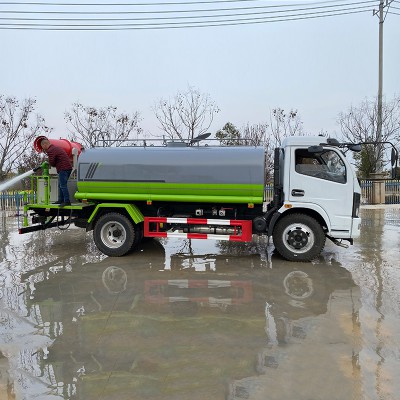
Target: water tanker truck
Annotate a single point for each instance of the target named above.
(125, 193)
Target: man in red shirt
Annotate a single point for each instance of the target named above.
(58, 158)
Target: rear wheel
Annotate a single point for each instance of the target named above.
(298, 237)
(138, 235)
(114, 234)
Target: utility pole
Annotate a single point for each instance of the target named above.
(379, 165)
(380, 13)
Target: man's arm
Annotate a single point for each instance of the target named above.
(52, 156)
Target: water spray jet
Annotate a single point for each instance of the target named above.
(11, 182)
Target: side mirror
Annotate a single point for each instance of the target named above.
(393, 161)
(315, 149)
(354, 147)
(393, 158)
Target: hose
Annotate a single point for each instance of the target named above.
(68, 220)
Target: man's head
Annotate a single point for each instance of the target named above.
(45, 144)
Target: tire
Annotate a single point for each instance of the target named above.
(298, 237)
(114, 234)
(138, 236)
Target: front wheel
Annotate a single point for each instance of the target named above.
(298, 237)
(114, 234)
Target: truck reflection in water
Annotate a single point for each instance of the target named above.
(127, 328)
(185, 295)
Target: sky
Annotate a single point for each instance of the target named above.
(318, 66)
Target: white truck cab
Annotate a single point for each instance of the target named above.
(317, 195)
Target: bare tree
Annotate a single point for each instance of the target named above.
(18, 128)
(29, 160)
(250, 135)
(93, 126)
(359, 124)
(187, 115)
(256, 134)
(267, 135)
(285, 124)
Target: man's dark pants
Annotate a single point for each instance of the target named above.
(63, 195)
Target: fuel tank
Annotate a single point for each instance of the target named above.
(185, 174)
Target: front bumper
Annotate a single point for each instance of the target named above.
(356, 228)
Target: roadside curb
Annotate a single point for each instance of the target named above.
(380, 206)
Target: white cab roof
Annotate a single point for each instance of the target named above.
(304, 141)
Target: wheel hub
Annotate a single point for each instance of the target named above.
(113, 234)
(298, 238)
(116, 233)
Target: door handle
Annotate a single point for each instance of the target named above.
(298, 192)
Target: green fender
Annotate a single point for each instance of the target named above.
(132, 210)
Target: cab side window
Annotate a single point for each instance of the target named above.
(326, 165)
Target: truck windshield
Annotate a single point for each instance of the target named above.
(327, 165)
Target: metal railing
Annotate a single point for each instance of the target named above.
(392, 191)
(366, 191)
(12, 202)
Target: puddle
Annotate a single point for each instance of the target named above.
(199, 319)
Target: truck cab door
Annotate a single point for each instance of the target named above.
(323, 179)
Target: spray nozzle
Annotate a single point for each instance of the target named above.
(44, 166)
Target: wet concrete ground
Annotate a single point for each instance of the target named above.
(199, 320)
